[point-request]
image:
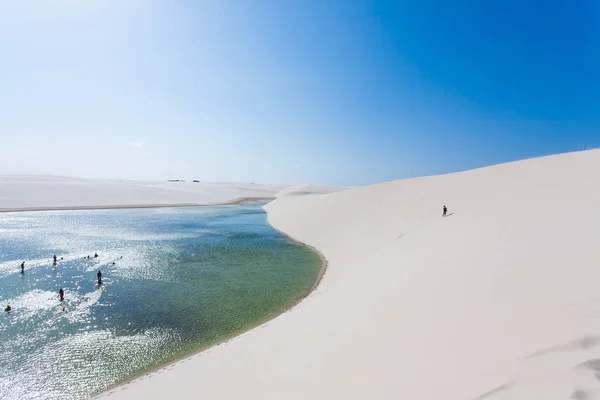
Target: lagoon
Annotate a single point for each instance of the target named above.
(182, 279)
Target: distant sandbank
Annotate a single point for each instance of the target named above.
(128, 206)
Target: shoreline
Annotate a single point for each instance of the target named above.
(238, 201)
(315, 285)
(322, 271)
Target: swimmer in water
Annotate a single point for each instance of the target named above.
(8, 308)
(61, 294)
(113, 263)
(95, 255)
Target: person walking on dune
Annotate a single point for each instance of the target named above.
(445, 211)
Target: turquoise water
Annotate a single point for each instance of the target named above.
(182, 279)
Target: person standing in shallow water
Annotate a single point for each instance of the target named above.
(445, 211)
(61, 294)
(99, 278)
(23, 267)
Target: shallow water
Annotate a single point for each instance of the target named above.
(188, 277)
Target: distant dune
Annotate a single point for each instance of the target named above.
(48, 192)
(300, 190)
(499, 300)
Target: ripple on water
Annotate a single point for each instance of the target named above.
(97, 359)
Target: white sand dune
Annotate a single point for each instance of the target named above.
(49, 192)
(500, 300)
(301, 190)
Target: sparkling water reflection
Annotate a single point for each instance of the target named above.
(182, 279)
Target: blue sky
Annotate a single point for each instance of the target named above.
(284, 91)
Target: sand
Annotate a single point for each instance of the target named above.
(34, 193)
(499, 300)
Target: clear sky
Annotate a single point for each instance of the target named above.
(287, 91)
